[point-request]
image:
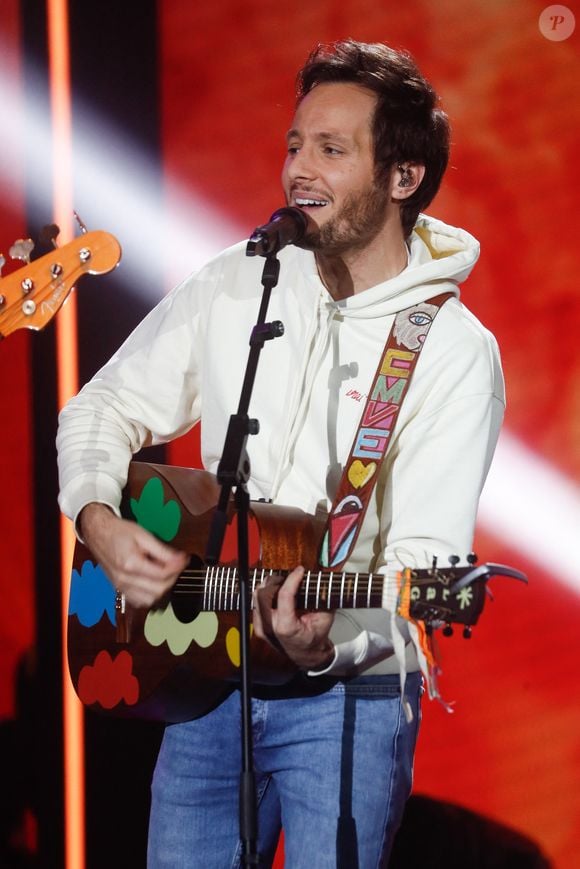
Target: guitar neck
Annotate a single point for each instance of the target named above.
(216, 589)
(288, 536)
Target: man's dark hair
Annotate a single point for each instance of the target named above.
(408, 125)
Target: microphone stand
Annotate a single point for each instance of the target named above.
(234, 473)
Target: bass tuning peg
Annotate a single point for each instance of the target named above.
(472, 558)
(467, 632)
(21, 249)
(48, 235)
(448, 630)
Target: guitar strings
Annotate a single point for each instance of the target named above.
(199, 578)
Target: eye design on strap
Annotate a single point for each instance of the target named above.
(419, 318)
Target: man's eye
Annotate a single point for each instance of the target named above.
(293, 149)
(333, 151)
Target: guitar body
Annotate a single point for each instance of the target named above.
(176, 661)
(127, 680)
(156, 663)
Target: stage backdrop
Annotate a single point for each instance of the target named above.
(225, 85)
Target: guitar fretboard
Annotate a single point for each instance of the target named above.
(216, 589)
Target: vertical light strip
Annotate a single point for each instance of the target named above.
(67, 375)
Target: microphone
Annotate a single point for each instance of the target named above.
(286, 226)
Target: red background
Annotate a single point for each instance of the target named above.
(511, 749)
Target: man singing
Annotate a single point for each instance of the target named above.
(333, 748)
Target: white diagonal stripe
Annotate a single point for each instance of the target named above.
(534, 508)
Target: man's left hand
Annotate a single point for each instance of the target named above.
(303, 637)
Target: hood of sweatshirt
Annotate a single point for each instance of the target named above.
(440, 258)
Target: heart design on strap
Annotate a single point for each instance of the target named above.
(359, 474)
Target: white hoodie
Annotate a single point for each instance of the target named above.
(186, 361)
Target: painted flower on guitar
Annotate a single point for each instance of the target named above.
(154, 513)
(109, 681)
(163, 626)
(91, 595)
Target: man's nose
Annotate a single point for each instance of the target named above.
(302, 165)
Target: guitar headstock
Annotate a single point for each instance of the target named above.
(442, 596)
(32, 295)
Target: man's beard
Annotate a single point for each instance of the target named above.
(360, 219)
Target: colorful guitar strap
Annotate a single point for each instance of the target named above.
(389, 387)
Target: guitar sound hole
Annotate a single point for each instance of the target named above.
(186, 596)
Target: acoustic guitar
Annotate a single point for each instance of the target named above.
(175, 661)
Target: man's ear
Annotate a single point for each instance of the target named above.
(405, 179)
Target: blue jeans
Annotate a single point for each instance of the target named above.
(333, 768)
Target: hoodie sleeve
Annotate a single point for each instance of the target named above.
(148, 393)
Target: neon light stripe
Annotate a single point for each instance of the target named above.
(67, 377)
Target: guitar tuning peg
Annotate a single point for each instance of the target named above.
(21, 249)
(472, 558)
(467, 632)
(48, 235)
(2, 262)
(80, 223)
(434, 563)
(453, 560)
(448, 630)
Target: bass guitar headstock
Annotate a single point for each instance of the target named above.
(32, 295)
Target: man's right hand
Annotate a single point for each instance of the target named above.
(136, 562)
